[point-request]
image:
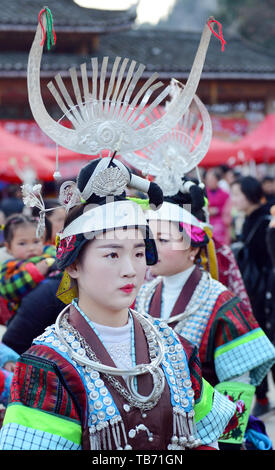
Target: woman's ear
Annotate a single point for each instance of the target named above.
(193, 252)
(73, 270)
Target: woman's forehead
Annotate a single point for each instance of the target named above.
(163, 226)
(119, 234)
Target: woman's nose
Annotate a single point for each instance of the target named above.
(127, 268)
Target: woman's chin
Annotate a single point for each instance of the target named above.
(156, 270)
(125, 303)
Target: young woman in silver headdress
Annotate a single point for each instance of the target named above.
(104, 376)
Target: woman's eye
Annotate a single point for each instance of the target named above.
(163, 240)
(112, 255)
(140, 254)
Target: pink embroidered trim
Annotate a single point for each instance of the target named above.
(65, 245)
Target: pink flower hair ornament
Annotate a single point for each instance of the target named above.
(197, 235)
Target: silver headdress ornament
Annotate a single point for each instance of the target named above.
(179, 151)
(114, 116)
(108, 112)
(32, 197)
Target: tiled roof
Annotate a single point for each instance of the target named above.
(174, 52)
(22, 15)
(169, 53)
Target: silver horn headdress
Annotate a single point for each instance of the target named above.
(108, 114)
(112, 113)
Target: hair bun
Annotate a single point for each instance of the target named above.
(155, 195)
(192, 194)
(197, 198)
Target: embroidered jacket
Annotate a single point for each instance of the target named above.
(58, 402)
(229, 339)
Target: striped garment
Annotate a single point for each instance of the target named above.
(235, 341)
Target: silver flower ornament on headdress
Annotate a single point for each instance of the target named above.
(180, 150)
(69, 195)
(32, 197)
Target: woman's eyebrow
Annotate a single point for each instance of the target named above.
(116, 245)
(112, 245)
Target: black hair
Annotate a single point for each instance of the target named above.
(251, 188)
(217, 172)
(194, 199)
(267, 178)
(73, 214)
(13, 190)
(224, 168)
(13, 222)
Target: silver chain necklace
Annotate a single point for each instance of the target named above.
(192, 306)
(155, 344)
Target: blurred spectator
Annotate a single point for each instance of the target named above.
(25, 320)
(270, 296)
(13, 202)
(268, 187)
(2, 218)
(8, 359)
(253, 257)
(219, 207)
(2, 223)
(227, 176)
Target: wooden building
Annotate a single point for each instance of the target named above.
(241, 77)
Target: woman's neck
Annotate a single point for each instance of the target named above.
(178, 280)
(102, 315)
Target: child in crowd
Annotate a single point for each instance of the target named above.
(30, 260)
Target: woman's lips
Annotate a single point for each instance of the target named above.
(128, 288)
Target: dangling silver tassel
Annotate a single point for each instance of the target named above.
(41, 226)
(109, 440)
(101, 435)
(118, 429)
(115, 432)
(127, 446)
(174, 445)
(94, 438)
(195, 441)
(103, 438)
(184, 430)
